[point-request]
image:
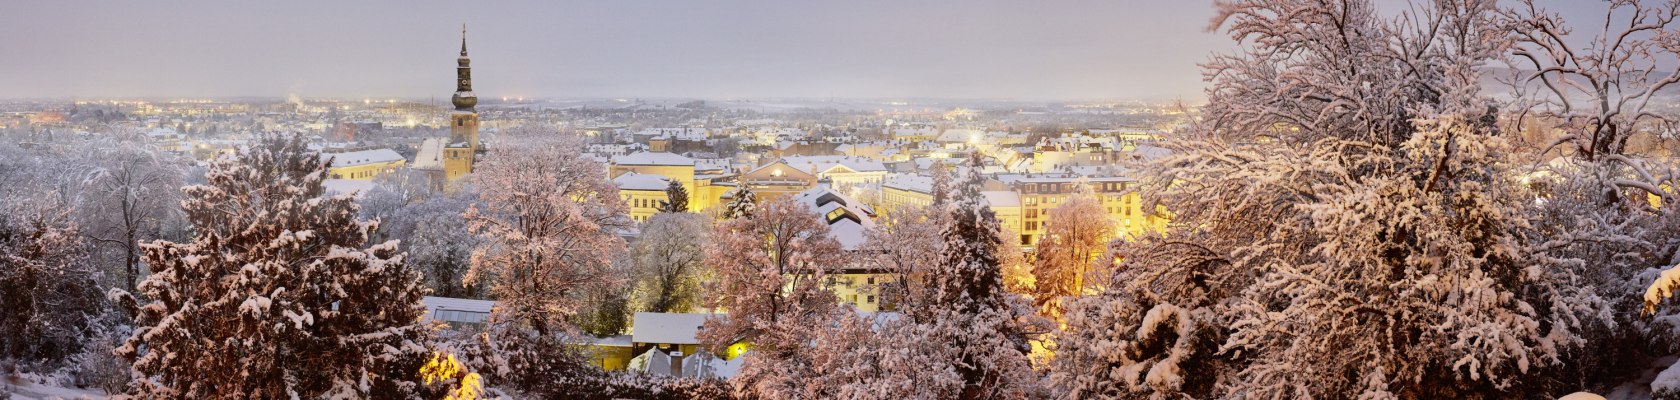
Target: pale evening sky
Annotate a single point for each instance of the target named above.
(1079, 49)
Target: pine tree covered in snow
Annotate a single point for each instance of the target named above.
(742, 206)
(278, 294)
(676, 198)
(985, 328)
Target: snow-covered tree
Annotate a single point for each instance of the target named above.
(770, 271)
(986, 327)
(130, 195)
(1313, 69)
(1597, 90)
(878, 356)
(1374, 244)
(1605, 170)
(669, 262)
(430, 228)
(278, 294)
(1075, 236)
(742, 205)
(47, 283)
(907, 243)
(676, 198)
(550, 221)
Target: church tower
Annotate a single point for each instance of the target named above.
(463, 143)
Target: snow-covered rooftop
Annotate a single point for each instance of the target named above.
(635, 181)
(910, 182)
(667, 328)
(847, 217)
(1002, 198)
(457, 310)
(430, 155)
(363, 157)
(652, 158)
(823, 164)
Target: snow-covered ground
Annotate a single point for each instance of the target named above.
(31, 391)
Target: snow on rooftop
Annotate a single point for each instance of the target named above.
(636, 181)
(430, 155)
(652, 158)
(711, 164)
(847, 217)
(910, 182)
(822, 164)
(452, 309)
(1002, 198)
(667, 328)
(363, 157)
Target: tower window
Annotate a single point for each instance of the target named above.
(460, 122)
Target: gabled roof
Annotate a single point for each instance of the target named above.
(826, 164)
(788, 171)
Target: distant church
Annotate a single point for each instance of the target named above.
(450, 159)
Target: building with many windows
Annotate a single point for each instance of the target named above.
(643, 193)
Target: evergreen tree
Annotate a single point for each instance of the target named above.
(970, 278)
(941, 185)
(743, 205)
(676, 198)
(276, 295)
(985, 327)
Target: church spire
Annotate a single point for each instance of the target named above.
(464, 98)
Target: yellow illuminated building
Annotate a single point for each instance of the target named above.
(642, 192)
(1025, 207)
(363, 164)
(705, 190)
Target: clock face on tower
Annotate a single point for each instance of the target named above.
(464, 82)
